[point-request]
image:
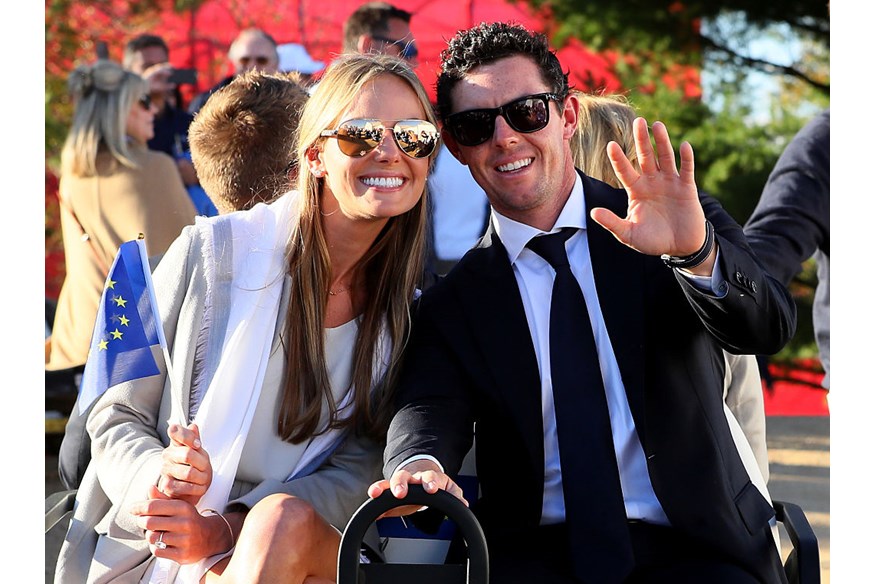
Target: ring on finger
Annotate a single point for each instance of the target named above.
(160, 544)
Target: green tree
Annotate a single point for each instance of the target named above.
(670, 32)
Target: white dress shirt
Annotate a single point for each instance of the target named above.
(535, 278)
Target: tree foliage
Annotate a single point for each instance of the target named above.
(658, 30)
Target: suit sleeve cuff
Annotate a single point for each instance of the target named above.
(708, 284)
(408, 461)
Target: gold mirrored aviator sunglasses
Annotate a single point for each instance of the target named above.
(359, 136)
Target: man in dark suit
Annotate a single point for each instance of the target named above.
(643, 482)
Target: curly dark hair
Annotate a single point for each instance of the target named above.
(489, 42)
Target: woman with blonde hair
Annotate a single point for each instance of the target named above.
(286, 324)
(602, 118)
(112, 189)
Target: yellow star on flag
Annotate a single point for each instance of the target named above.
(123, 320)
(101, 346)
(111, 284)
(116, 334)
(119, 301)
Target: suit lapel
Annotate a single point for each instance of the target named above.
(491, 299)
(619, 290)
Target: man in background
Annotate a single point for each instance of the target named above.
(253, 49)
(380, 27)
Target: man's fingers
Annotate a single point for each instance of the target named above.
(398, 484)
(644, 150)
(617, 226)
(623, 169)
(455, 490)
(376, 489)
(665, 154)
(687, 163)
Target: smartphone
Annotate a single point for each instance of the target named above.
(101, 50)
(183, 76)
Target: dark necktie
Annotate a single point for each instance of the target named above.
(595, 516)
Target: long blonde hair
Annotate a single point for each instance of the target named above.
(103, 93)
(390, 270)
(601, 119)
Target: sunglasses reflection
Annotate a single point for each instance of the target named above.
(358, 137)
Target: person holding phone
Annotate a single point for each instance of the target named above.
(183, 76)
(148, 56)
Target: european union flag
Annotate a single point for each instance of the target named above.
(126, 329)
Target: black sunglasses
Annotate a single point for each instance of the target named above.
(407, 49)
(359, 136)
(145, 101)
(527, 114)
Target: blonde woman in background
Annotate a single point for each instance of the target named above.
(287, 323)
(112, 189)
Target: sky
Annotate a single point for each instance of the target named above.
(777, 46)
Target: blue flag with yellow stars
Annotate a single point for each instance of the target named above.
(126, 328)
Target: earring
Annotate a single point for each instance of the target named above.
(318, 173)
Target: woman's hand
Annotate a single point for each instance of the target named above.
(186, 472)
(186, 536)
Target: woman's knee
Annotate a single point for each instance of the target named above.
(282, 516)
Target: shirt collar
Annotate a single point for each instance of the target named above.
(516, 235)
